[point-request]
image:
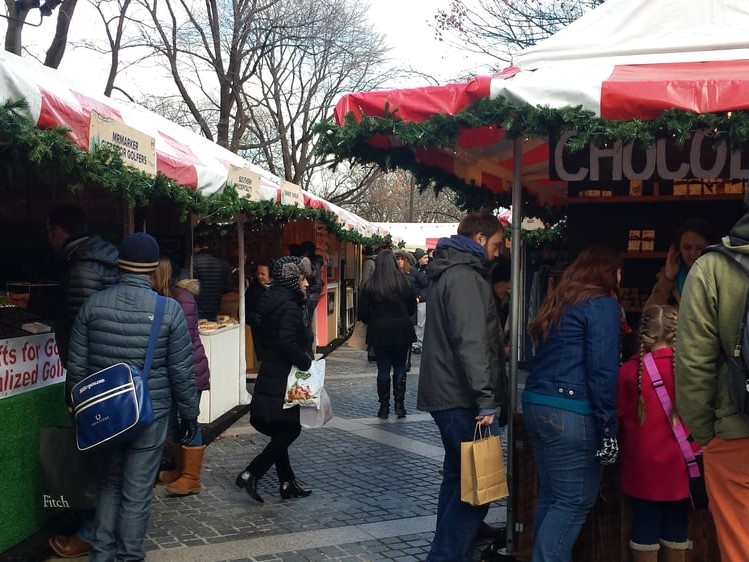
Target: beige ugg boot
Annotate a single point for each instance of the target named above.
(189, 482)
(674, 551)
(644, 552)
(169, 476)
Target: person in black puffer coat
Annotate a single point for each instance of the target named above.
(215, 279)
(386, 303)
(285, 339)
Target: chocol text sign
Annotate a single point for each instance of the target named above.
(28, 364)
(700, 157)
(137, 149)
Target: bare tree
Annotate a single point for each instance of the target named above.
(18, 14)
(501, 28)
(325, 49)
(394, 197)
(211, 51)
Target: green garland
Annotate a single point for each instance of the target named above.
(351, 140)
(53, 154)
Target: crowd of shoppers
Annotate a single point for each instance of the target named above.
(584, 406)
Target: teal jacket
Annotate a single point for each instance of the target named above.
(709, 316)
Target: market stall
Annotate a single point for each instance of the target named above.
(632, 104)
(130, 169)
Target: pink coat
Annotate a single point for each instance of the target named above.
(652, 465)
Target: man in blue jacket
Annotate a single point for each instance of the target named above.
(461, 379)
(114, 326)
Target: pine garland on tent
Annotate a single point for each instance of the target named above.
(351, 140)
(55, 155)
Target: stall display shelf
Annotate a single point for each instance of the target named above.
(228, 384)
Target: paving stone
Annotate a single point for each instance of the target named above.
(357, 478)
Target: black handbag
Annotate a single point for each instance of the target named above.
(697, 490)
(68, 477)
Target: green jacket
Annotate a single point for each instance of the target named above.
(709, 315)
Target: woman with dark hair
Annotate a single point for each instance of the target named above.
(569, 401)
(691, 238)
(285, 341)
(386, 303)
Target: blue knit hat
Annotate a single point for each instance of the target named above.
(139, 253)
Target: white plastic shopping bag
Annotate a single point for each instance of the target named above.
(317, 417)
(303, 388)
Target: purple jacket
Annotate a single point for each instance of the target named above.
(184, 292)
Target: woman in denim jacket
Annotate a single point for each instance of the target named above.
(569, 402)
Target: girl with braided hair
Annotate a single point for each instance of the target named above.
(653, 470)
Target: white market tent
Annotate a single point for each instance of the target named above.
(181, 154)
(419, 235)
(625, 60)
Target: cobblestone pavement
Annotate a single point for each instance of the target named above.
(375, 485)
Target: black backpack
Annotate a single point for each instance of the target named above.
(738, 359)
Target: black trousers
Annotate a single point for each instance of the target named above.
(276, 452)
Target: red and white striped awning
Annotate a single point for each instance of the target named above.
(181, 154)
(627, 59)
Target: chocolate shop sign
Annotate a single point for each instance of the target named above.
(700, 157)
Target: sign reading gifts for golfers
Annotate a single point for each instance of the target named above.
(291, 194)
(137, 149)
(28, 364)
(245, 181)
(700, 157)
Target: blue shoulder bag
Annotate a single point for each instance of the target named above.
(114, 403)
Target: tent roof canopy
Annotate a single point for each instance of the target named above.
(630, 69)
(183, 156)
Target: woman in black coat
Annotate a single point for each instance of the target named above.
(284, 334)
(386, 303)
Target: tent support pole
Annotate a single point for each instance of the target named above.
(515, 283)
(243, 394)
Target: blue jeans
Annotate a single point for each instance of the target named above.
(175, 431)
(457, 522)
(569, 476)
(124, 505)
(653, 520)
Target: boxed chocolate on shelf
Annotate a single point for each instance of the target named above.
(737, 186)
(647, 241)
(635, 188)
(681, 188)
(634, 244)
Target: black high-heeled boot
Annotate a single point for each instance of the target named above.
(249, 481)
(292, 489)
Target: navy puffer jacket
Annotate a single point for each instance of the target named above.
(89, 265)
(184, 292)
(114, 325)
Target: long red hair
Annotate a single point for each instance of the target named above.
(592, 274)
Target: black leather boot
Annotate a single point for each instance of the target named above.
(400, 409)
(383, 395)
(399, 392)
(292, 489)
(249, 481)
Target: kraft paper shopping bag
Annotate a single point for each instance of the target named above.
(482, 471)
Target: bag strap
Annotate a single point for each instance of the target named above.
(158, 315)
(676, 426)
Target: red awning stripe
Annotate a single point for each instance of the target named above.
(643, 91)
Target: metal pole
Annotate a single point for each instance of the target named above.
(243, 394)
(515, 304)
